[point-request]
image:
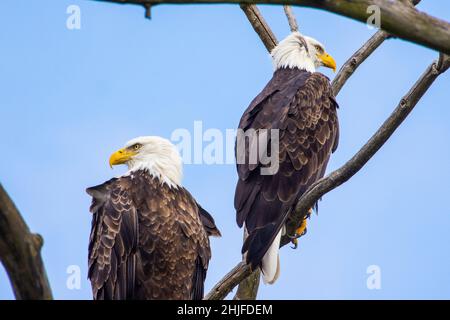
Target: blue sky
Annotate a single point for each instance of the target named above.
(71, 97)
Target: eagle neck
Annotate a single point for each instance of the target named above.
(287, 74)
(172, 180)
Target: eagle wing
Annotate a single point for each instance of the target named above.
(173, 249)
(113, 241)
(204, 254)
(301, 105)
(208, 222)
(196, 224)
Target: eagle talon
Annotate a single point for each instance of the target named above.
(301, 231)
(294, 241)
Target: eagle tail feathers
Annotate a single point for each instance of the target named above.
(270, 264)
(264, 256)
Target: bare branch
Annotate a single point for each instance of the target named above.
(229, 281)
(356, 59)
(248, 288)
(260, 25)
(442, 60)
(291, 18)
(397, 17)
(20, 253)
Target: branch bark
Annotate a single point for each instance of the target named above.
(397, 17)
(20, 253)
(229, 281)
(260, 26)
(248, 288)
(291, 18)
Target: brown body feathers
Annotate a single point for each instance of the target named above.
(302, 106)
(148, 241)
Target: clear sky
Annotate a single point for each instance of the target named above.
(69, 98)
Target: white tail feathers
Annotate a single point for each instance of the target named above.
(270, 267)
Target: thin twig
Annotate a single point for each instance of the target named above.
(349, 67)
(291, 18)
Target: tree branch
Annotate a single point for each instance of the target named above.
(20, 253)
(229, 281)
(248, 288)
(291, 18)
(349, 67)
(397, 17)
(260, 26)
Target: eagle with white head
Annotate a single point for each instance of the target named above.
(149, 237)
(299, 103)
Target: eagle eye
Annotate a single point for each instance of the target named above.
(136, 146)
(319, 49)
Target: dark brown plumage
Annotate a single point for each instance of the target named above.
(302, 106)
(148, 241)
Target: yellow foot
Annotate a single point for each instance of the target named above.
(300, 231)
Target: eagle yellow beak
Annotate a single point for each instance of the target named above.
(120, 157)
(328, 61)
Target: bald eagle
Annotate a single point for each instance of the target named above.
(299, 103)
(149, 237)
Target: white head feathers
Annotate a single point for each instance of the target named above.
(158, 156)
(298, 51)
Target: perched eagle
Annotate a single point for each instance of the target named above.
(300, 104)
(149, 237)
